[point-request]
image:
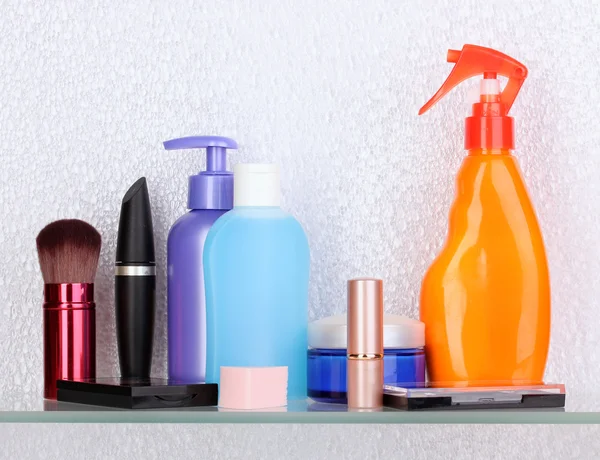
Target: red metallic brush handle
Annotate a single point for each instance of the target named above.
(69, 334)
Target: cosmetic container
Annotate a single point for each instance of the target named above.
(134, 393)
(403, 360)
(256, 269)
(210, 195)
(485, 299)
(135, 283)
(365, 344)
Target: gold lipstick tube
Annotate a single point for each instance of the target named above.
(365, 343)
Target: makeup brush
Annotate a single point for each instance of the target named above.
(68, 252)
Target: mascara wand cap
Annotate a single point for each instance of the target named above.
(365, 316)
(135, 240)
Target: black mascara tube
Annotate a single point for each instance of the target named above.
(135, 283)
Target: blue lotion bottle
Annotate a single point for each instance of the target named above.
(210, 195)
(256, 268)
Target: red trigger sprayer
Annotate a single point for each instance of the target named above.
(489, 126)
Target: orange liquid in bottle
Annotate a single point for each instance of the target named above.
(485, 300)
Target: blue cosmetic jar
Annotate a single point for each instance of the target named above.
(403, 361)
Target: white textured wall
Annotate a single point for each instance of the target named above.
(89, 89)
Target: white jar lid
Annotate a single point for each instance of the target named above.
(398, 332)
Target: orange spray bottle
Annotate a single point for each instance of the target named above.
(485, 300)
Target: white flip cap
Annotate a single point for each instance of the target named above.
(256, 185)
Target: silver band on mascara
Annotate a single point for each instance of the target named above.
(135, 270)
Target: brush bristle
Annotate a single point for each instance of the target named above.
(68, 251)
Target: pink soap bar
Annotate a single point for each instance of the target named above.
(253, 387)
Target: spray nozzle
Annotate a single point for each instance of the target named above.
(489, 126)
(213, 188)
(475, 60)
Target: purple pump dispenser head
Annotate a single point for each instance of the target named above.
(213, 188)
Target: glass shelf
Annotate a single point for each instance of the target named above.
(579, 409)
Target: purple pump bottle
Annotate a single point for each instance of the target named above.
(210, 196)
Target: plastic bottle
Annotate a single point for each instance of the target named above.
(256, 266)
(485, 300)
(210, 195)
